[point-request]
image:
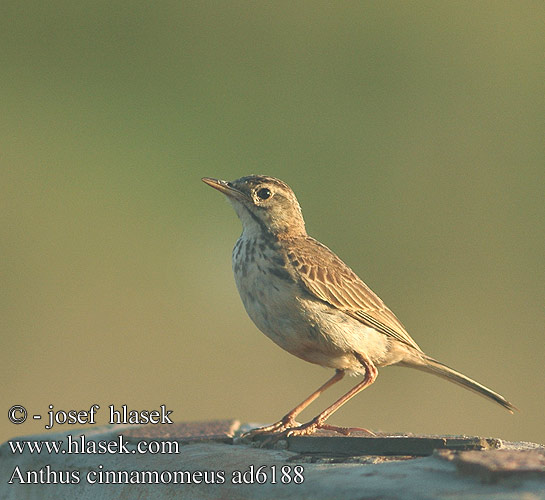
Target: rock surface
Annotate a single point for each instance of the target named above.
(199, 460)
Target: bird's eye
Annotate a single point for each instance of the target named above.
(264, 193)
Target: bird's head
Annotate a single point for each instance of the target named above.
(263, 204)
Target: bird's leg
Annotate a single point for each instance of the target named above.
(318, 421)
(288, 421)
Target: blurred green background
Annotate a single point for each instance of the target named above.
(411, 132)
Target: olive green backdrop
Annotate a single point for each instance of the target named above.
(412, 133)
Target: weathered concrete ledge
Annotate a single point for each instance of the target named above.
(199, 460)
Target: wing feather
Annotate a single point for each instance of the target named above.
(329, 279)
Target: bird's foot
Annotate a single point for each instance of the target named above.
(307, 429)
(346, 430)
(315, 424)
(281, 426)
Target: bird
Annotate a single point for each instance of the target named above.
(303, 297)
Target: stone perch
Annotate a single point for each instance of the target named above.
(207, 460)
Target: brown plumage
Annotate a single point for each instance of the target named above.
(329, 279)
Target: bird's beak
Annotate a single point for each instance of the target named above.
(224, 187)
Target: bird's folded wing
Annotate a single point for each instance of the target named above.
(328, 278)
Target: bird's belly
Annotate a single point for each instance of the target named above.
(307, 328)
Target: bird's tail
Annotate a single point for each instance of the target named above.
(431, 365)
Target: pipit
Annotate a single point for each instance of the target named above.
(310, 303)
